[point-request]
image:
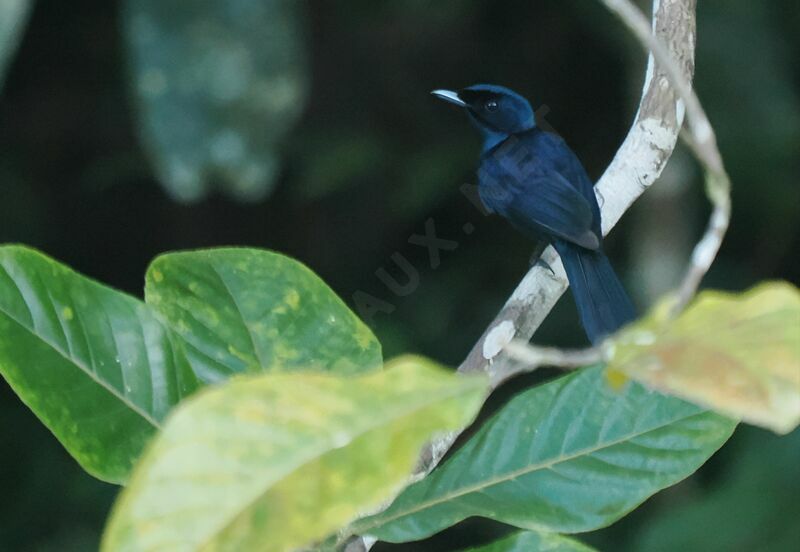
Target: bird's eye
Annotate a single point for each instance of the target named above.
(491, 105)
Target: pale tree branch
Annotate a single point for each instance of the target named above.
(703, 143)
(638, 163)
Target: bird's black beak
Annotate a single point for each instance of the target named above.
(449, 96)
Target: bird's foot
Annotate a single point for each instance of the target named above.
(544, 264)
(536, 257)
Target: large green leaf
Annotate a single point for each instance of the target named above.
(217, 84)
(278, 461)
(534, 541)
(245, 310)
(568, 456)
(101, 369)
(13, 16)
(736, 353)
(95, 365)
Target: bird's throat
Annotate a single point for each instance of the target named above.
(491, 139)
(491, 136)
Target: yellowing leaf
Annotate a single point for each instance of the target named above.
(736, 353)
(250, 310)
(275, 462)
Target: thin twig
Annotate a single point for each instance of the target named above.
(532, 357)
(704, 140)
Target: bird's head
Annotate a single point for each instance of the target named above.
(495, 110)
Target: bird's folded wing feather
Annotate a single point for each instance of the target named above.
(550, 202)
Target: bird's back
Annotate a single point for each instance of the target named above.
(530, 163)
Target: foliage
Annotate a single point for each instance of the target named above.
(245, 310)
(13, 14)
(276, 462)
(290, 456)
(368, 164)
(195, 118)
(736, 353)
(571, 455)
(102, 369)
(97, 366)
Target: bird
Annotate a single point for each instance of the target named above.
(535, 181)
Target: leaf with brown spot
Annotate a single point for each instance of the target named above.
(736, 353)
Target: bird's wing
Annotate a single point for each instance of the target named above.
(549, 203)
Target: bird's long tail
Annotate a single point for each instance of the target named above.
(603, 304)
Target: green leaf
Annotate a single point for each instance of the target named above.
(13, 16)
(218, 84)
(95, 365)
(101, 369)
(534, 541)
(245, 310)
(736, 353)
(569, 456)
(278, 461)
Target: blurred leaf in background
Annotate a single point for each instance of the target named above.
(13, 16)
(217, 85)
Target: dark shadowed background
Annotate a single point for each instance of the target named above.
(372, 158)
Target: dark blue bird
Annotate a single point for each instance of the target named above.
(533, 179)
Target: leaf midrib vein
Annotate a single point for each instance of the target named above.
(514, 474)
(245, 322)
(83, 368)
